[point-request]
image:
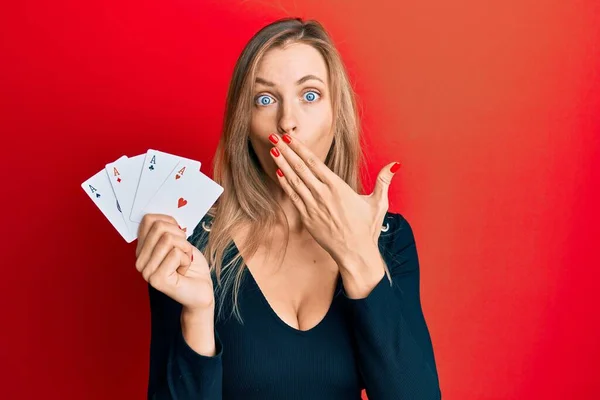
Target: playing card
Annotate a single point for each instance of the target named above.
(124, 175)
(100, 191)
(157, 167)
(187, 195)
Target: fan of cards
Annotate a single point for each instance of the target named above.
(155, 182)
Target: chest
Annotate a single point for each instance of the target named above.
(299, 285)
(267, 359)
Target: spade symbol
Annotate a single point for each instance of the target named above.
(97, 195)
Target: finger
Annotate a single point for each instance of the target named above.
(295, 187)
(158, 230)
(195, 256)
(146, 224)
(298, 165)
(299, 154)
(162, 276)
(384, 179)
(165, 245)
(291, 192)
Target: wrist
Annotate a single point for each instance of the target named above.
(196, 315)
(361, 272)
(357, 261)
(198, 330)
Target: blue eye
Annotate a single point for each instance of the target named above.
(311, 96)
(262, 100)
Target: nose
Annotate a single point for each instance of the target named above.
(287, 120)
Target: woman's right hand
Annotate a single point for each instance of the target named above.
(172, 265)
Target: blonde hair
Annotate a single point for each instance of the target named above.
(246, 200)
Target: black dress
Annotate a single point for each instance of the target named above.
(380, 342)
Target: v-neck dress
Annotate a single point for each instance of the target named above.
(380, 343)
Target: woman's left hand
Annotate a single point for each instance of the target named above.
(343, 222)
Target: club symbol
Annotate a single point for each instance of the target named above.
(151, 168)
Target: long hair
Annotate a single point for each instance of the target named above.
(246, 200)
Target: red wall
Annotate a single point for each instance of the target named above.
(493, 109)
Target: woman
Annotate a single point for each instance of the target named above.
(338, 309)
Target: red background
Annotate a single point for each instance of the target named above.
(492, 108)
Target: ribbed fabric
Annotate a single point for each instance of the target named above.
(380, 342)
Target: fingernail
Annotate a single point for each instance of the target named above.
(280, 172)
(192, 256)
(287, 138)
(395, 167)
(275, 152)
(273, 138)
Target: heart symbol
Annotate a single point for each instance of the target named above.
(177, 176)
(181, 202)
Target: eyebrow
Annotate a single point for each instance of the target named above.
(300, 81)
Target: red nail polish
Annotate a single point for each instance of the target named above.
(287, 138)
(395, 167)
(275, 152)
(273, 138)
(280, 172)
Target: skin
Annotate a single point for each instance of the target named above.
(341, 221)
(300, 110)
(291, 96)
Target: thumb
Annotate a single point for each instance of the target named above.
(384, 179)
(195, 258)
